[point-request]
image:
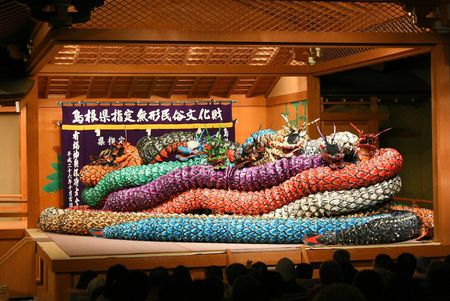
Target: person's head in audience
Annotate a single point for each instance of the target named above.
(114, 284)
(272, 284)
(95, 287)
(158, 276)
(369, 284)
(438, 278)
(339, 292)
(215, 271)
(285, 267)
(404, 287)
(233, 271)
(85, 278)
(137, 285)
(183, 273)
(206, 290)
(304, 271)
(247, 288)
(258, 269)
(407, 263)
(422, 265)
(384, 261)
(330, 272)
(174, 288)
(341, 256)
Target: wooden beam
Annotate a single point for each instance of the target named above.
(111, 84)
(7, 109)
(43, 54)
(275, 38)
(130, 90)
(211, 89)
(172, 70)
(150, 90)
(286, 98)
(47, 87)
(440, 91)
(253, 87)
(23, 158)
(366, 58)
(191, 91)
(233, 85)
(18, 268)
(344, 116)
(88, 91)
(69, 87)
(32, 159)
(174, 84)
(314, 103)
(274, 83)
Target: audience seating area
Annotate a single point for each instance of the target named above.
(403, 278)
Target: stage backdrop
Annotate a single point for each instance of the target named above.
(86, 130)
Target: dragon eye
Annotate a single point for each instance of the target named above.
(293, 138)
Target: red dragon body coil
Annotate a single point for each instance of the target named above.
(385, 165)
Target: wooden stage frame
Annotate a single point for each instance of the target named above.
(57, 272)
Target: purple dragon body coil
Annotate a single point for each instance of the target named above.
(385, 165)
(203, 176)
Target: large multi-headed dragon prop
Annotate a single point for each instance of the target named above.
(277, 187)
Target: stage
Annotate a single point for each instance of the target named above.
(61, 258)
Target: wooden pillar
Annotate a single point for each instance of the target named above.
(32, 157)
(440, 84)
(314, 103)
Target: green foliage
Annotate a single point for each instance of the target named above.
(55, 178)
(299, 116)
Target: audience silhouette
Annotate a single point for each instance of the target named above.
(370, 285)
(342, 257)
(389, 280)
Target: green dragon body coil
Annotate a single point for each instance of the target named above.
(132, 176)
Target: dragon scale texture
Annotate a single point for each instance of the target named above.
(293, 195)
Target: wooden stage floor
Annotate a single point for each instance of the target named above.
(62, 258)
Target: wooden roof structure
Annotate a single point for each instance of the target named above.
(253, 15)
(206, 48)
(14, 18)
(165, 56)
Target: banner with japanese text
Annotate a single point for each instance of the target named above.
(87, 130)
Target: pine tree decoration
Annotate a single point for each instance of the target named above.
(55, 178)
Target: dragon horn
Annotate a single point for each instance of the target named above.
(313, 122)
(358, 130)
(334, 132)
(321, 135)
(383, 131)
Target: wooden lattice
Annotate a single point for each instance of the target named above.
(252, 15)
(13, 18)
(182, 55)
(145, 86)
(171, 55)
(329, 54)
